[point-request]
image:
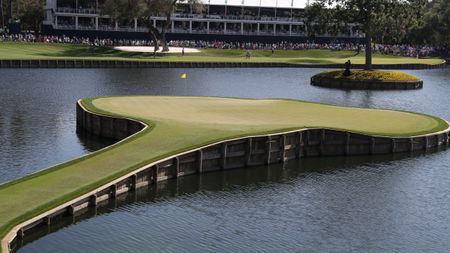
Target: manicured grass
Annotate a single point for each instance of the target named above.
(369, 75)
(180, 124)
(67, 51)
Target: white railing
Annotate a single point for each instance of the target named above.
(205, 17)
(179, 30)
(74, 10)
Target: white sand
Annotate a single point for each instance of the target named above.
(143, 49)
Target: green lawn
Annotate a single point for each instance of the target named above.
(10, 50)
(180, 124)
(369, 75)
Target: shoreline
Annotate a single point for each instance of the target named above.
(80, 63)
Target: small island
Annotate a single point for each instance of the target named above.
(367, 80)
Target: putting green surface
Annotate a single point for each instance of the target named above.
(180, 124)
(26, 51)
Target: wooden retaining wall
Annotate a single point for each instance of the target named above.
(224, 155)
(108, 127)
(54, 63)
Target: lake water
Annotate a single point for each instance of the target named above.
(390, 203)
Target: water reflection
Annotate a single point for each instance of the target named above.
(228, 182)
(92, 142)
(369, 204)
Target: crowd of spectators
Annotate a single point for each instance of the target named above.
(401, 50)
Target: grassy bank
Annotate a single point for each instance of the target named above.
(10, 50)
(182, 123)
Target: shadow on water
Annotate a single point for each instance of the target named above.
(92, 142)
(213, 182)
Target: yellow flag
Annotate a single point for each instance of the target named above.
(183, 76)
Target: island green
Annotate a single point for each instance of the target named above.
(178, 124)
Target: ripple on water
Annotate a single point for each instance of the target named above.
(355, 204)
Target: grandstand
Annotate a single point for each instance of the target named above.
(231, 17)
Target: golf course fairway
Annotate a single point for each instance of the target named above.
(55, 51)
(179, 124)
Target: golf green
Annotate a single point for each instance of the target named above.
(178, 124)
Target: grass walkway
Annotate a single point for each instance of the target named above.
(182, 123)
(9, 50)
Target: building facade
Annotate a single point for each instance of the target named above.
(212, 19)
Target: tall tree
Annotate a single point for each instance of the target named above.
(403, 18)
(30, 13)
(370, 15)
(320, 20)
(5, 12)
(10, 10)
(436, 28)
(2, 16)
(144, 10)
(317, 19)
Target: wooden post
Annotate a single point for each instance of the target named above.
(21, 233)
(93, 200)
(200, 161)
(307, 141)
(268, 148)
(71, 210)
(113, 190)
(224, 156)
(177, 166)
(322, 142)
(113, 127)
(154, 173)
(372, 145)
(426, 142)
(347, 143)
(133, 182)
(411, 144)
(283, 148)
(249, 152)
(393, 145)
(299, 144)
(47, 220)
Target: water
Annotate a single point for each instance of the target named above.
(370, 204)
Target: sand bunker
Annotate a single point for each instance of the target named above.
(143, 49)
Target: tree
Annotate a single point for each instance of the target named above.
(402, 19)
(320, 20)
(10, 10)
(317, 19)
(4, 13)
(2, 17)
(370, 15)
(31, 13)
(436, 28)
(144, 10)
